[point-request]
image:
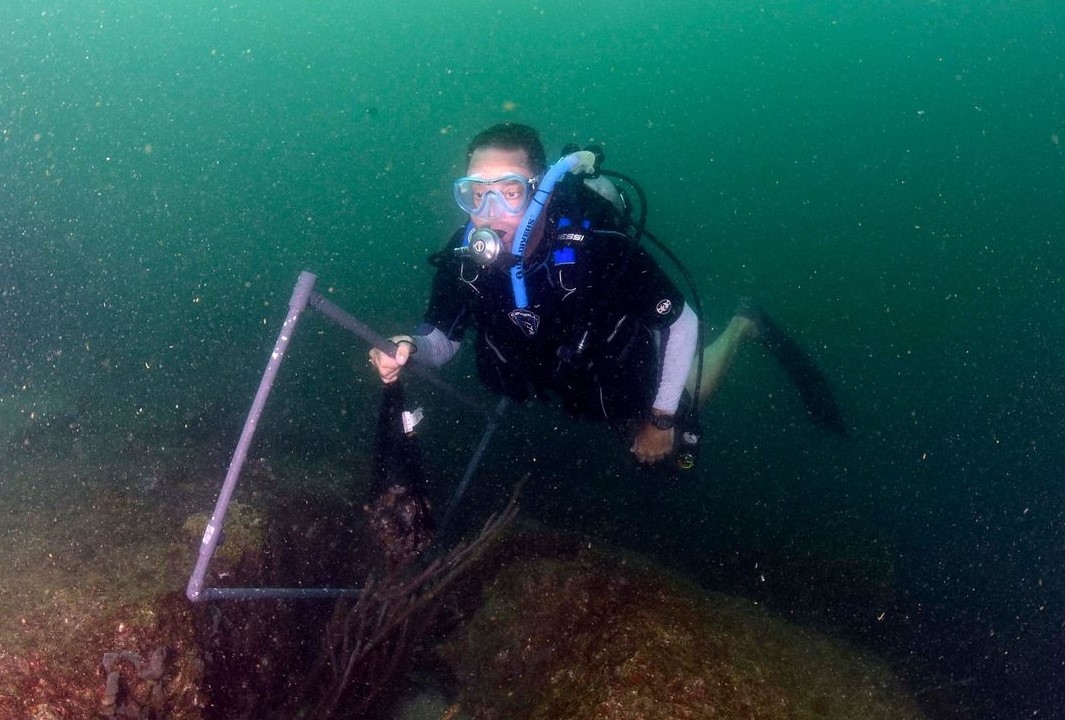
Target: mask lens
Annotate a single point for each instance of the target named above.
(477, 196)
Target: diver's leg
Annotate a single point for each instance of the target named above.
(751, 322)
(718, 356)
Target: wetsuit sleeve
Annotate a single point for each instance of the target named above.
(678, 352)
(434, 347)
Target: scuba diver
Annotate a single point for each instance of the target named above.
(567, 304)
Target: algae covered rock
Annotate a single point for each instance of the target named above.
(597, 636)
(241, 547)
(139, 661)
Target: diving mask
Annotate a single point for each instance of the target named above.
(490, 197)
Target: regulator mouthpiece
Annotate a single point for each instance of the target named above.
(484, 247)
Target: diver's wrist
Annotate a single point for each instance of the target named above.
(661, 419)
(397, 339)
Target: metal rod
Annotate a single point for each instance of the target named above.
(303, 295)
(211, 535)
(471, 468)
(276, 593)
(345, 320)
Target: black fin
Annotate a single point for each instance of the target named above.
(802, 371)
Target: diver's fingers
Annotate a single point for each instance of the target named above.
(405, 347)
(651, 444)
(389, 366)
(648, 457)
(386, 365)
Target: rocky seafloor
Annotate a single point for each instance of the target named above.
(94, 622)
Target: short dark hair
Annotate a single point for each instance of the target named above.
(511, 136)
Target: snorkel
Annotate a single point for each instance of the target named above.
(578, 162)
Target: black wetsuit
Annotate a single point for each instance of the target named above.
(587, 278)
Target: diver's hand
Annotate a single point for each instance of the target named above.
(651, 444)
(388, 367)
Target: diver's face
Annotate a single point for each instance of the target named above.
(492, 162)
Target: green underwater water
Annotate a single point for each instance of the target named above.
(886, 178)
